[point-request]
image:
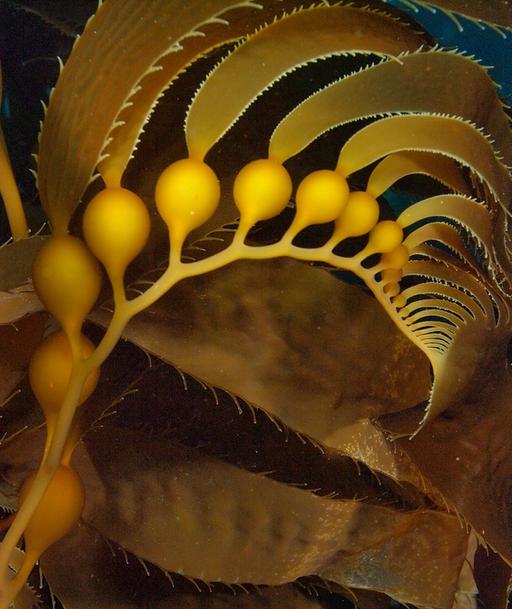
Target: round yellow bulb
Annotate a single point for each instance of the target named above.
(321, 197)
(58, 511)
(262, 189)
(116, 227)
(67, 279)
(385, 237)
(50, 370)
(359, 215)
(396, 258)
(187, 195)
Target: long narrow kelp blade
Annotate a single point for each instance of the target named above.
(277, 532)
(282, 47)
(425, 82)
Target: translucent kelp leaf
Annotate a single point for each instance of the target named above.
(225, 426)
(398, 565)
(394, 167)
(400, 86)
(103, 575)
(464, 452)
(165, 509)
(280, 48)
(214, 326)
(498, 12)
(91, 90)
(444, 135)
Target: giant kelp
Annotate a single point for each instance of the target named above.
(312, 441)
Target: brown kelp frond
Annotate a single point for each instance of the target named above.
(269, 446)
(496, 15)
(429, 586)
(248, 512)
(404, 86)
(279, 48)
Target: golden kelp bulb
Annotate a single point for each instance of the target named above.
(67, 279)
(321, 197)
(187, 195)
(58, 511)
(385, 237)
(50, 370)
(359, 216)
(116, 227)
(262, 189)
(396, 258)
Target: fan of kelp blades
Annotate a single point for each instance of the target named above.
(185, 478)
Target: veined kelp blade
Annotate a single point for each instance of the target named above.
(397, 166)
(464, 453)
(325, 388)
(444, 135)
(231, 21)
(235, 512)
(407, 85)
(497, 12)
(280, 48)
(99, 577)
(368, 444)
(227, 427)
(405, 574)
(92, 90)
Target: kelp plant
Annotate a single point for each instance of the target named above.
(403, 478)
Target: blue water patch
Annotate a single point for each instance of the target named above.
(485, 43)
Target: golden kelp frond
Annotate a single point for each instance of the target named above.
(394, 167)
(497, 13)
(443, 135)
(399, 86)
(81, 116)
(230, 22)
(282, 47)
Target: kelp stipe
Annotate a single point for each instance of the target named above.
(440, 269)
